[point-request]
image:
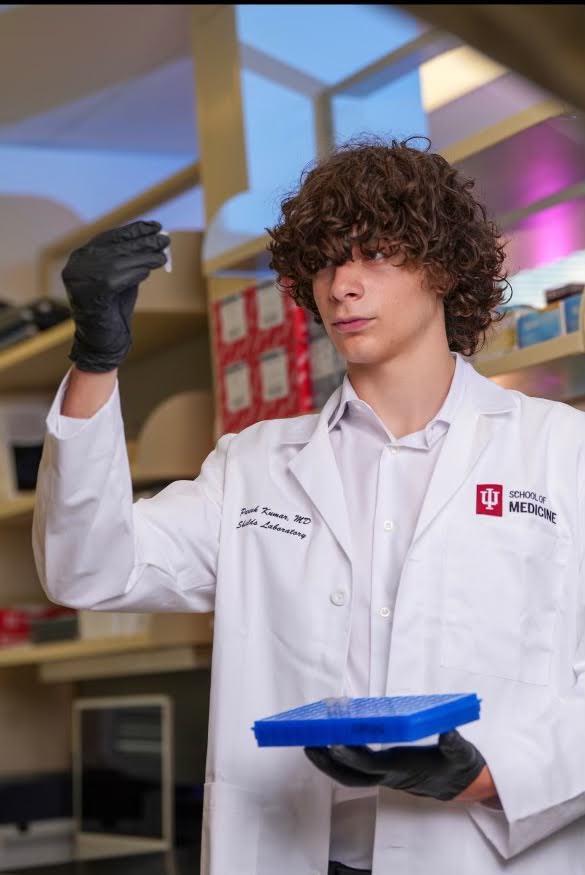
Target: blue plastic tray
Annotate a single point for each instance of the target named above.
(366, 721)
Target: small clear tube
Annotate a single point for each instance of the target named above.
(168, 266)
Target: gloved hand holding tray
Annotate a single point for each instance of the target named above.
(367, 721)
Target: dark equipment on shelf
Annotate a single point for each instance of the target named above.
(17, 322)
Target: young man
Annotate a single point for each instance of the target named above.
(441, 549)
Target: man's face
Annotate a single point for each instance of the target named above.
(375, 310)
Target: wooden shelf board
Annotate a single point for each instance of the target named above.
(17, 511)
(35, 654)
(554, 369)
(185, 657)
(529, 356)
(40, 362)
(248, 258)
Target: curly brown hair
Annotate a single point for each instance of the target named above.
(400, 200)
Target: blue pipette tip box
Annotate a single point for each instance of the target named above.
(367, 721)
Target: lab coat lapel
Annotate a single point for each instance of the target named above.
(466, 440)
(315, 468)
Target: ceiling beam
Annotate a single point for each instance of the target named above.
(278, 71)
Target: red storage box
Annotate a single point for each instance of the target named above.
(262, 354)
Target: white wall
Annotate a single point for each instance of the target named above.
(28, 224)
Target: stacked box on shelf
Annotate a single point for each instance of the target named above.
(569, 297)
(280, 350)
(541, 325)
(234, 318)
(17, 622)
(327, 366)
(571, 310)
(561, 292)
(560, 317)
(262, 357)
(503, 337)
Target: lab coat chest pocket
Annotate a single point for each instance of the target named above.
(501, 596)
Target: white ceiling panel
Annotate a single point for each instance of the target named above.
(154, 113)
(56, 54)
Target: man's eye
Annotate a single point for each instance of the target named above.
(375, 256)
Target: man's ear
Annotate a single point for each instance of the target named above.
(437, 280)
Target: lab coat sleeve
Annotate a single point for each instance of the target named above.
(538, 761)
(96, 549)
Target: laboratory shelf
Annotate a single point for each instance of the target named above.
(106, 657)
(554, 369)
(40, 362)
(559, 348)
(169, 642)
(18, 511)
(33, 654)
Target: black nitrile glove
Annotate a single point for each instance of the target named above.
(441, 771)
(101, 279)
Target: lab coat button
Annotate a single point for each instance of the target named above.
(338, 598)
(388, 525)
(385, 612)
(393, 450)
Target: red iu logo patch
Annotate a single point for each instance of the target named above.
(489, 499)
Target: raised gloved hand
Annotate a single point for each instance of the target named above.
(101, 280)
(441, 771)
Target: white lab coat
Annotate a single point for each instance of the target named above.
(486, 604)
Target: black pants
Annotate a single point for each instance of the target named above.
(340, 869)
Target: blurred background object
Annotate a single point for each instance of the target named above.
(541, 41)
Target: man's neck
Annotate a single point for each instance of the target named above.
(407, 391)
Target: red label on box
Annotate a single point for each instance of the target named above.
(234, 321)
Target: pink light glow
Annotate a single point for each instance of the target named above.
(543, 174)
(548, 235)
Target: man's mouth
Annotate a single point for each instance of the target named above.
(356, 323)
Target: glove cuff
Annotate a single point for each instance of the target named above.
(97, 362)
(461, 781)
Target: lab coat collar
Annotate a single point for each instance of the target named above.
(434, 429)
(481, 394)
(315, 467)
(484, 395)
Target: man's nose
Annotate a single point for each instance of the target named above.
(346, 282)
